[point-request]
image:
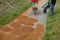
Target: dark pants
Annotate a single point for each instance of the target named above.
(51, 6)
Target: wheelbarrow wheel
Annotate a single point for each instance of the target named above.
(35, 11)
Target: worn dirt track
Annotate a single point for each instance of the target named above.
(22, 29)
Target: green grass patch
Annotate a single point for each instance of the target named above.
(53, 24)
(15, 14)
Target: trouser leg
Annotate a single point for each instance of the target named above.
(52, 9)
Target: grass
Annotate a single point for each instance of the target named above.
(12, 16)
(53, 24)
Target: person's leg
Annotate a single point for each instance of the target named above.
(52, 9)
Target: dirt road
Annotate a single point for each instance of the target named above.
(26, 27)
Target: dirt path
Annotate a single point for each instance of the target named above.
(26, 27)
